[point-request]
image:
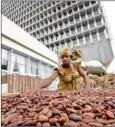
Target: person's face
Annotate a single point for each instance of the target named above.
(66, 59)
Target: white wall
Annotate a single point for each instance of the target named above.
(11, 30)
(16, 46)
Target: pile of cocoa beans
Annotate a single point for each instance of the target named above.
(55, 108)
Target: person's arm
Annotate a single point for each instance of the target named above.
(84, 75)
(45, 82)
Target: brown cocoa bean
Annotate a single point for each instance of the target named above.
(62, 120)
(75, 106)
(88, 115)
(65, 115)
(4, 105)
(42, 118)
(56, 112)
(46, 124)
(9, 118)
(60, 107)
(36, 117)
(71, 123)
(87, 109)
(95, 124)
(57, 125)
(88, 120)
(38, 124)
(110, 114)
(53, 121)
(30, 123)
(71, 110)
(45, 111)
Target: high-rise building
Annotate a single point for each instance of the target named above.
(69, 24)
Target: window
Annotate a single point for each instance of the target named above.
(93, 2)
(77, 18)
(87, 38)
(73, 31)
(83, 16)
(74, 42)
(4, 64)
(75, 9)
(59, 8)
(42, 70)
(71, 21)
(67, 33)
(68, 3)
(60, 16)
(65, 13)
(91, 24)
(50, 20)
(81, 7)
(63, 5)
(18, 63)
(85, 27)
(60, 24)
(68, 44)
(70, 11)
(34, 67)
(95, 10)
(62, 34)
(81, 40)
(66, 23)
(98, 21)
(89, 13)
(79, 28)
(38, 10)
(55, 27)
(86, 4)
(94, 36)
(101, 34)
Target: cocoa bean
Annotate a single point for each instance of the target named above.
(75, 117)
(95, 124)
(30, 123)
(46, 124)
(55, 112)
(38, 124)
(88, 115)
(110, 114)
(53, 121)
(45, 111)
(71, 123)
(42, 118)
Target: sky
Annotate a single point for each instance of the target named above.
(109, 10)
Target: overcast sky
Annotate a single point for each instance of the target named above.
(109, 7)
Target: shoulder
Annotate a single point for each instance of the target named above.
(60, 70)
(76, 65)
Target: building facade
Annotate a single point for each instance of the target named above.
(69, 24)
(20, 56)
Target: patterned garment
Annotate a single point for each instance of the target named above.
(68, 78)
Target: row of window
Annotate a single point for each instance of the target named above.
(54, 10)
(77, 42)
(53, 21)
(96, 35)
(21, 10)
(18, 64)
(49, 4)
(17, 5)
(60, 28)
